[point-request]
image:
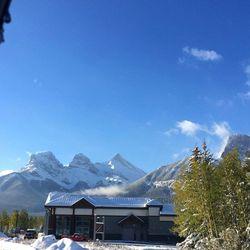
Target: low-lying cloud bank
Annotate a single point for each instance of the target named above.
(105, 191)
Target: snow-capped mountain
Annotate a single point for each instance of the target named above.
(241, 142)
(45, 166)
(157, 184)
(44, 173)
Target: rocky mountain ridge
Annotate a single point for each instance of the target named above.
(45, 173)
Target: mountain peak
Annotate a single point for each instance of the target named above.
(42, 156)
(117, 157)
(80, 160)
(44, 160)
(239, 141)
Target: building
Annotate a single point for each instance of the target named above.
(109, 218)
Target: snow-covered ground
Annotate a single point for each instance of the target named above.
(50, 243)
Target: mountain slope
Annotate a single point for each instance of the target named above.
(241, 142)
(157, 184)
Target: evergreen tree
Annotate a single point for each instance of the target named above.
(4, 221)
(23, 220)
(196, 196)
(14, 223)
(235, 200)
(214, 199)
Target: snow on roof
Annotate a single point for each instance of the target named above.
(168, 209)
(62, 199)
(66, 199)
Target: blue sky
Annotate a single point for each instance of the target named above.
(147, 79)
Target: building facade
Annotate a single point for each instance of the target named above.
(109, 218)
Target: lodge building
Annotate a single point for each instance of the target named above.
(109, 218)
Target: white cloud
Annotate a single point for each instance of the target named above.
(202, 55)
(109, 191)
(223, 131)
(188, 128)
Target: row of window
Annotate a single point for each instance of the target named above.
(63, 225)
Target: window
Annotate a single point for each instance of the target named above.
(82, 225)
(63, 223)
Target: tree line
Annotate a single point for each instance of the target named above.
(19, 220)
(212, 197)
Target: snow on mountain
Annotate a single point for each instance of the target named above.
(6, 172)
(119, 165)
(42, 166)
(241, 142)
(157, 184)
(45, 173)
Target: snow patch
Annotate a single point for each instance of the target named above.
(3, 236)
(44, 242)
(6, 172)
(66, 244)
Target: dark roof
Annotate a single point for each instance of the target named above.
(57, 199)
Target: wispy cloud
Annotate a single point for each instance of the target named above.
(201, 54)
(109, 191)
(221, 130)
(188, 128)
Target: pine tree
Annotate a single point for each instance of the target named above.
(14, 223)
(4, 221)
(23, 220)
(196, 196)
(235, 198)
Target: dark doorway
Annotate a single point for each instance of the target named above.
(132, 228)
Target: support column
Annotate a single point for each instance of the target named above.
(73, 223)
